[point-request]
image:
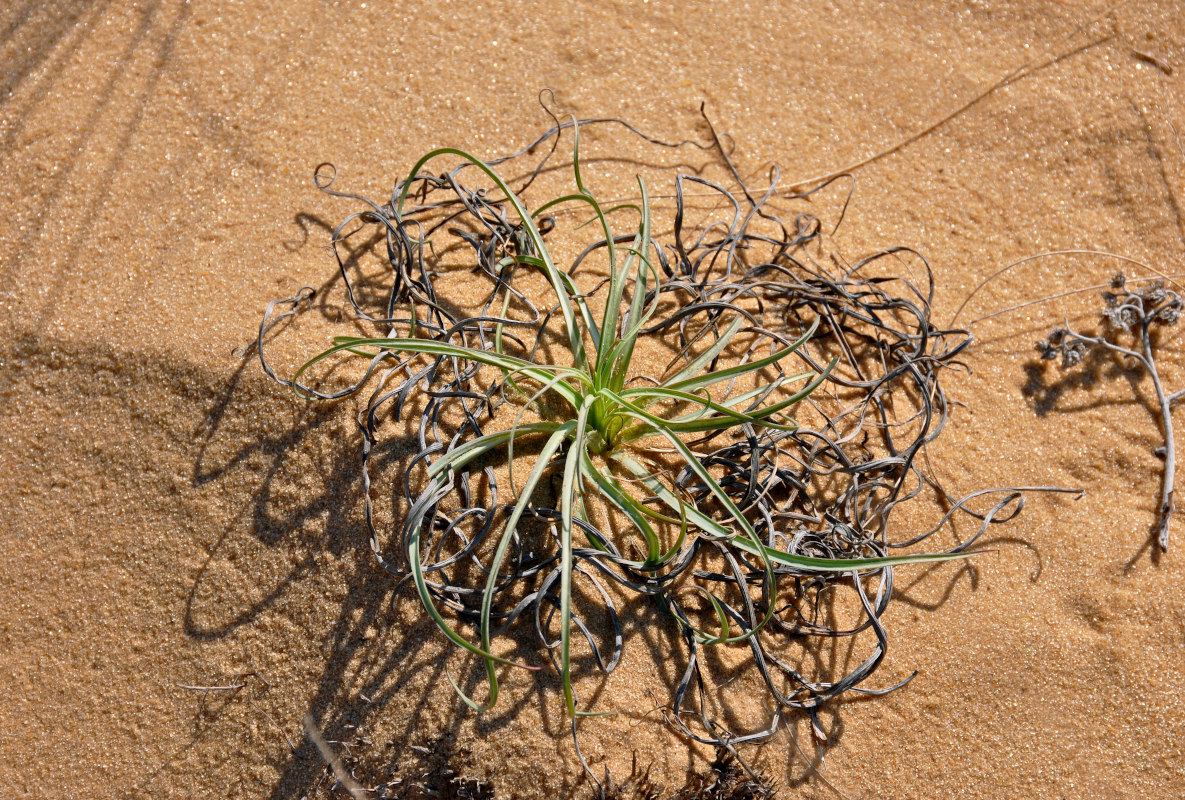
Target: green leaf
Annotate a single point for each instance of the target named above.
(754, 547)
(726, 417)
(635, 511)
(569, 496)
(425, 500)
(640, 252)
(702, 381)
(575, 336)
(694, 366)
(464, 453)
(541, 464)
(540, 373)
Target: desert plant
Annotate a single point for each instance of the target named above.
(1133, 314)
(598, 424)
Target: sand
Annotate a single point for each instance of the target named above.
(170, 517)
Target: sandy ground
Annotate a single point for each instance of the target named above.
(171, 517)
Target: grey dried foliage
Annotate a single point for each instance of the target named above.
(1132, 319)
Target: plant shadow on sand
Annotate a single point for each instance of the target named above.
(374, 656)
(1046, 388)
